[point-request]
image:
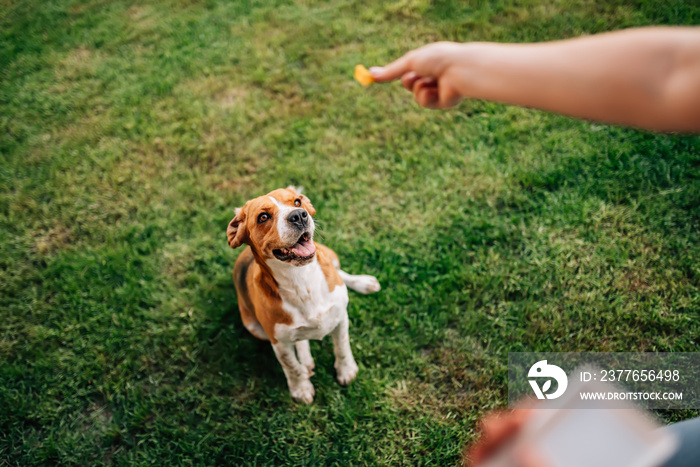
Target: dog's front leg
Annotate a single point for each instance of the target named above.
(304, 354)
(345, 365)
(297, 374)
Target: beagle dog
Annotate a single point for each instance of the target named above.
(290, 288)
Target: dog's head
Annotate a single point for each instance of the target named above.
(276, 225)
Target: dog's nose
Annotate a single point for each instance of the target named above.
(298, 217)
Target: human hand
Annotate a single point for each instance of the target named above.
(496, 429)
(432, 73)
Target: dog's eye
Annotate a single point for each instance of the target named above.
(263, 217)
(297, 202)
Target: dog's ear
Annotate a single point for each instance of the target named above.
(236, 231)
(304, 200)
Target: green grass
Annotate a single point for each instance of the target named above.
(130, 131)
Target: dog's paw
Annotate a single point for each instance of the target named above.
(365, 284)
(346, 372)
(303, 392)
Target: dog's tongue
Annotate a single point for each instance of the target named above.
(304, 248)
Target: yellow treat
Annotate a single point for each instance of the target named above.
(363, 76)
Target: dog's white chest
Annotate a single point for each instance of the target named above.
(314, 322)
(315, 311)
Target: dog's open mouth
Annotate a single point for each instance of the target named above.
(303, 249)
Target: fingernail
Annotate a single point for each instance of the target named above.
(376, 71)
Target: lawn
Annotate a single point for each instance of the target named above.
(129, 132)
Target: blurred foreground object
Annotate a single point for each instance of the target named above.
(574, 434)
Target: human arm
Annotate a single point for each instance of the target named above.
(647, 77)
